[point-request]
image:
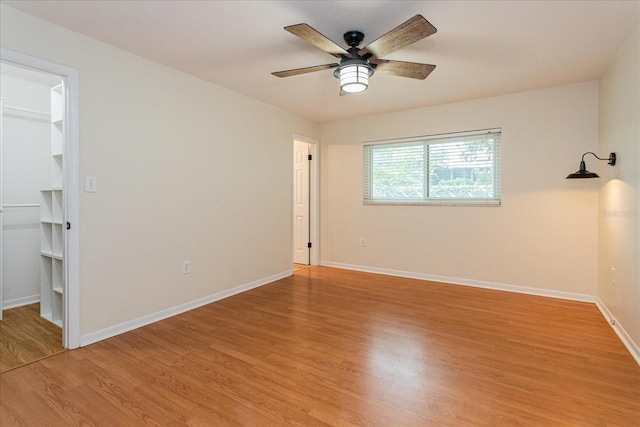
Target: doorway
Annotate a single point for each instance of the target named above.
(56, 210)
(305, 202)
(301, 209)
(31, 214)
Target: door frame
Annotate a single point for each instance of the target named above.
(314, 197)
(71, 76)
(1, 208)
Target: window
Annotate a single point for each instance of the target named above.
(449, 169)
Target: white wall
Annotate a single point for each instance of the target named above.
(544, 235)
(619, 202)
(27, 170)
(186, 170)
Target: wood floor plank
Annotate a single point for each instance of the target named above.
(330, 347)
(26, 337)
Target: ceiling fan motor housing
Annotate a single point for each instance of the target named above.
(353, 38)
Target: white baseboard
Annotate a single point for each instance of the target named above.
(19, 302)
(619, 330)
(130, 325)
(467, 282)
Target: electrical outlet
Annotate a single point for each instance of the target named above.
(186, 267)
(363, 242)
(613, 275)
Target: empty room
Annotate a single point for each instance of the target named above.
(320, 213)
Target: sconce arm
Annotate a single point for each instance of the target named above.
(611, 159)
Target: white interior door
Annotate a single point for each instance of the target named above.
(300, 202)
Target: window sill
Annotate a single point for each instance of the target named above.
(444, 202)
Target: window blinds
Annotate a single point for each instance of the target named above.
(461, 168)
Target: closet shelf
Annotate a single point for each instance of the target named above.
(51, 255)
(52, 218)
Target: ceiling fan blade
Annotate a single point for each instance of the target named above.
(305, 70)
(403, 35)
(412, 70)
(311, 35)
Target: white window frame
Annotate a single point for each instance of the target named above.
(432, 140)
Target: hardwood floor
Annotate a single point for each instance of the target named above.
(329, 347)
(298, 267)
(26, 337)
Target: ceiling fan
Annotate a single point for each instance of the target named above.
(358, 64)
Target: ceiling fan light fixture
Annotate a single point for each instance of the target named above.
(354, 75)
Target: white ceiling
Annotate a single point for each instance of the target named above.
(482, 48)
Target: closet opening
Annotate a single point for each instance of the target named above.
(34, 217)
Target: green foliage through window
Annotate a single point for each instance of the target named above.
(434, 170)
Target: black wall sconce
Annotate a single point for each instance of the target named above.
(584, 173)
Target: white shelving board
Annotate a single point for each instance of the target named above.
(52, 219)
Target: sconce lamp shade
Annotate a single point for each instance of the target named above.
(354, 75)
(584, 173)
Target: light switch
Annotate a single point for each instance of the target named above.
(90, 184)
